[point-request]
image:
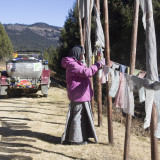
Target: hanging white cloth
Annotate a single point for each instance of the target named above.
(114, 82)
(85, 10)
(99, 39)
(131, 106)
(81, 9)
(121, 101)
(103, 78)
(130, 99)
(151, 48)
(142, 96)
(115, 66)
(88, 10)
(151, 54)
(157, 101)
(105, 72)
(148, 107)
(135, 83)
(155, 85)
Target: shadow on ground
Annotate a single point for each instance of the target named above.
(14, 136)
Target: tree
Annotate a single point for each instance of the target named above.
(5, 44)
(51, 55)
(69, 37)
(120, 30)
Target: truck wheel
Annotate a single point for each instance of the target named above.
(45, 95)
(3, 90)
(44, 89)
(49, 82)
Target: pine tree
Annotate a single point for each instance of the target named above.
(5, 44)
(51, 55)
(69, 37)
(120, 32)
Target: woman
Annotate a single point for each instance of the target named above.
(79, 125)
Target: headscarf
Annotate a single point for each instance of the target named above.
(76, 52)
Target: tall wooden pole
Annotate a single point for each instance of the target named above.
(99, 86)
(132, 68)
(82, 42)
(153, 124)
(107, 58)
(154, 140)
(92, 101)
(97, 5)
(84, 30)
(80, 27)
(89, 61)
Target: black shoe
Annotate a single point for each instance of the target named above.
(89, 141)
(78, 143)
(66, 143)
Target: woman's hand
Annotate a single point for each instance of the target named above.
(102, 61)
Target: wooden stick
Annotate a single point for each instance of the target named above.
(97, 5)
(82, 41)
(84, 30)
(92, 101)
(154, 140)
(86, 25)
(80, 26)
(107, 58)
(99, 98)
(99, 86)
(132, 68)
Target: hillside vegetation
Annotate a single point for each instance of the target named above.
(36, 36)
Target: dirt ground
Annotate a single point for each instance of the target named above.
(31, 129)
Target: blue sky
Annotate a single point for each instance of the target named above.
(52, 12)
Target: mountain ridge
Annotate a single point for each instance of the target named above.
(34, 36)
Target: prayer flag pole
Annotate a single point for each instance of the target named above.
(92, 101)
(153, 52)
(107, 59)
(97, 5)
(80, 26)
(84, 30)
(132, 68)
(86, 34)
(99, 86)
(154, 140)
(151, 66)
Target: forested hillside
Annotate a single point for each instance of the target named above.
(5, 44)
(36, 36)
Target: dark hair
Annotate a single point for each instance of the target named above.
(76, 52)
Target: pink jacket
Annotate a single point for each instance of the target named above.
(78, 79)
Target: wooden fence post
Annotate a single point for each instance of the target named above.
(132, 68)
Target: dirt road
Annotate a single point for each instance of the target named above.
(32, 127)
